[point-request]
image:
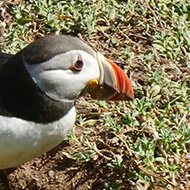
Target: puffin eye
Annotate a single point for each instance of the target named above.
(78, 65)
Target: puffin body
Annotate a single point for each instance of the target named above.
(38, 89)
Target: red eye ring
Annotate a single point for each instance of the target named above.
(78, 65)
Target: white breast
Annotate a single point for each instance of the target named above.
(22, 140)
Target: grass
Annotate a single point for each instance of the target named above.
(148, 140)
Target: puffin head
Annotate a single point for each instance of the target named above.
(64, 68)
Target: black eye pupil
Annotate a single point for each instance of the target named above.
(79, 64)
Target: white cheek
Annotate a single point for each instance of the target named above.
(60, 84)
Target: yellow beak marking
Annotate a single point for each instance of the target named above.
(93, 83)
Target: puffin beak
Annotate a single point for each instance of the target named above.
(113, 83)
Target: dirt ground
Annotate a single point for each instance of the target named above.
(55, 169)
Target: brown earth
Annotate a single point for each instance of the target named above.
(57, 169)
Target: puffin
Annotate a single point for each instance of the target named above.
(39, 87)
